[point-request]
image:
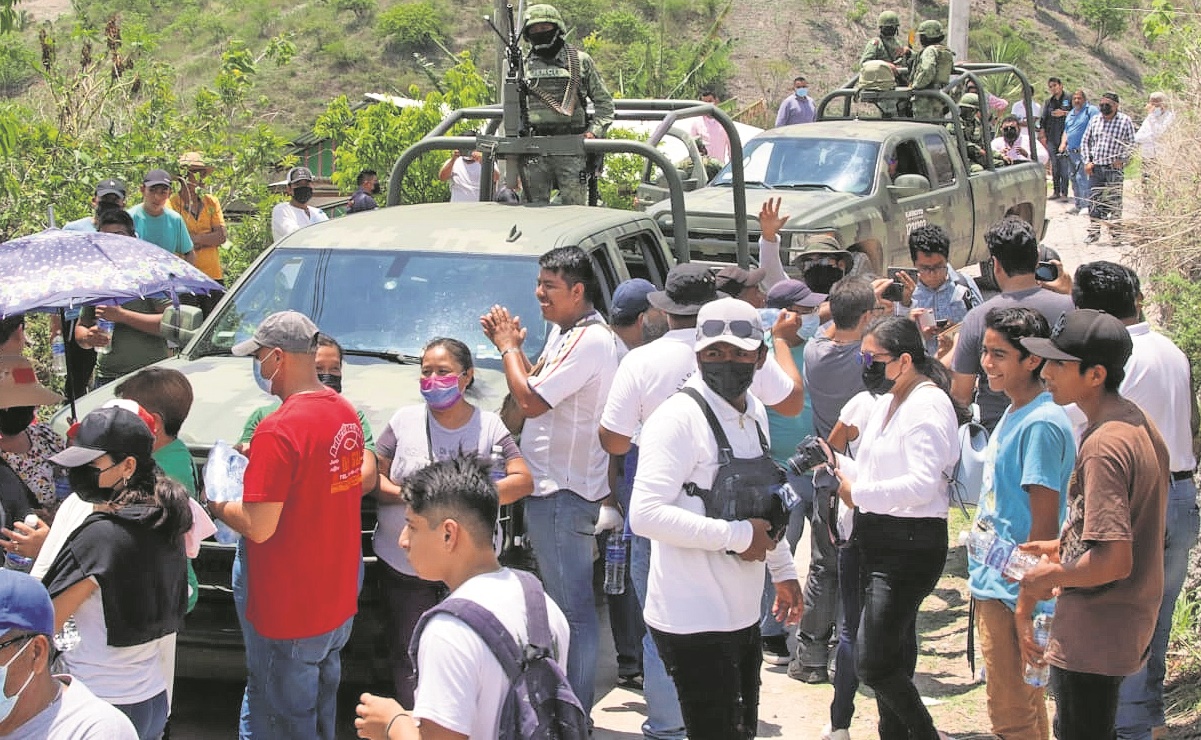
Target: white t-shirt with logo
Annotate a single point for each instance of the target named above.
(460, 684)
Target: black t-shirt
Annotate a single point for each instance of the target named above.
(16, 500)
(142, 573)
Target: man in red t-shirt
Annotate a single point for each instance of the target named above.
(300, 516)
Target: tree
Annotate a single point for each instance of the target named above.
(1107, 17)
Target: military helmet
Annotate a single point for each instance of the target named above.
(970, 100)
(542, 13)
(889, 18)
(930, 29)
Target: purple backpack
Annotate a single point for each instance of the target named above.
(540, 704)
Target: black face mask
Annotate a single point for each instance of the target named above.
(546, 44)
(1010, 134)
(375, 189)
(329, 380)
(302, 194)
(820, 278)
(85, 482)
(15, 420)
(1106, 109)
(888, 31)
(874, 380)
(730, 380)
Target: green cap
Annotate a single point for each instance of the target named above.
(889, 18)
(931, 29)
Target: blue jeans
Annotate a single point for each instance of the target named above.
(769, 626)
(845, 678)
(1080, 183)
(238, 585)
(148, 717)
(560, 528)
(1140, 699)
(664, 720)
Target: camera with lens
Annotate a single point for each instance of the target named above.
(809, 454)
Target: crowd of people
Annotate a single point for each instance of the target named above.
(671, 427)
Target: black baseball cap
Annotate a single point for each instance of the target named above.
(1085, 335)
(109, 430)
(688, 287)
(733, 280)
(157, 177)
(110, 187)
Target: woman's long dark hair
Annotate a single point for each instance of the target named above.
(900, 336)
(150, 486)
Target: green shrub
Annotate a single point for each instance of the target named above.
(412, 26)
(16, 66)
(362, 9)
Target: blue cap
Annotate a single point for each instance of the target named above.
(629, 300)
(24, 604)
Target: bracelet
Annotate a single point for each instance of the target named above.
(388, 727)
(507, 351)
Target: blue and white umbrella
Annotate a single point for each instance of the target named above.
(56, 270)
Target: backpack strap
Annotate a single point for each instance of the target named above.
(484, 623)
(725, 451)
(537, 623)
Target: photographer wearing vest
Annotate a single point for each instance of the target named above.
(702, 604)
(562, 81)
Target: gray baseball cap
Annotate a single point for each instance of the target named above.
(290, 331)
(299, 174)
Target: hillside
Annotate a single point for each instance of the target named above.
(340, 49)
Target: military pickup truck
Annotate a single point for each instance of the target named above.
(866, 180)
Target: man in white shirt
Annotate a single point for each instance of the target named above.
(296, 213)
(461, 686)
(702, 602)
(1158, 379)
(34, 703)
(647, 377)
(463, 172)
(562, 399)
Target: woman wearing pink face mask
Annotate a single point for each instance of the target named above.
(415, 436)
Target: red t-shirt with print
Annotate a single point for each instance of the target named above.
(303, 581)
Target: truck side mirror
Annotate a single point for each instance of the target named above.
(179, 324)
(907, 186)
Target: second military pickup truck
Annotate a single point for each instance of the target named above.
(867, 182)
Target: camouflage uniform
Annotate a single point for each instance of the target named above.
(973, 132)
(932, 70)
(885, 48)
(560, 87)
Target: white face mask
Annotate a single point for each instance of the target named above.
(9, 703)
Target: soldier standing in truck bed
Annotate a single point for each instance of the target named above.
(932, 70)
(886, 47)
(562, 80)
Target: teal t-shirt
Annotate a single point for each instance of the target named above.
(262, 412)
(1035, 447)
(166, 230)
(787, 431)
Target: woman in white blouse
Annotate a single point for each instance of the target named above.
(899, 485)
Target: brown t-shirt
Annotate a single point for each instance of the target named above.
(1117, 493)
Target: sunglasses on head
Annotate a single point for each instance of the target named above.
(740, 328)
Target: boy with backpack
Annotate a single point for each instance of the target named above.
(490, 659)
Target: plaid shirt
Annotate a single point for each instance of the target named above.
(1104, 141)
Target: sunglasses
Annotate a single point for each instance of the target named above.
(740, 328)
(867, 359)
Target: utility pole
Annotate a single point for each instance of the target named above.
(957, 28)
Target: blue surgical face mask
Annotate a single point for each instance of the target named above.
(264, 384)
(802, 92)
(810, 323)
(8, 703)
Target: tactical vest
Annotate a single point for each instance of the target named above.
(883, 49)
(877, 75)
(556, 100)
(944, 64)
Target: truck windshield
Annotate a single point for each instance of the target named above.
(842, 165)
(381, 302)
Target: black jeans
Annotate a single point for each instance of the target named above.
(900, 562)
(1086, 704)
(717, 677)
(846, 678)
(815, 633)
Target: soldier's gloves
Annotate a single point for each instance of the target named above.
(609, 519)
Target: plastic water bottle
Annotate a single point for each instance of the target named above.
(497, 464)
(1019, 563)
(616, 562)
(68, 637)
(1040, 675)
(980, 541)
(14, 561)
(58, 356)
(107, 328)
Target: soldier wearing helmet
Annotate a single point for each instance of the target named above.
(562, 81)
(932, 70)
(886, 47)
(973, 132)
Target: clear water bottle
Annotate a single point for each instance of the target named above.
(497, 464)
(616, 563)
(58, 356)
(1040, 675)
(980, 540)
(1019, 563)
(68, 637)
(106, 327)
(21, 563)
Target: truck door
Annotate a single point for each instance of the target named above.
(911, 211)
(955, 197)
